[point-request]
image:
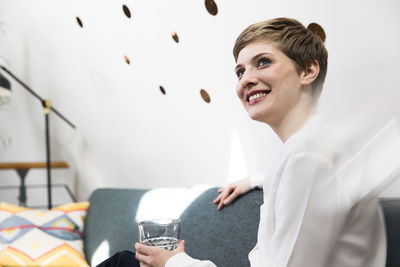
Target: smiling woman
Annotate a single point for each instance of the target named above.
(314, 181)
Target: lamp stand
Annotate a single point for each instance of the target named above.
(47, 105)
(47, 108)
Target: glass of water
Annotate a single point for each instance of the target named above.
(163, 233)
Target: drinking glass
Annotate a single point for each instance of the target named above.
(163, 233)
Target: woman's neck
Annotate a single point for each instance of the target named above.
(293, 122)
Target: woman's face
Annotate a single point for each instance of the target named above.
(269, 85)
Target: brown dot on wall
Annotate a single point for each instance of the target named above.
(162, 90)
(205, 96)
(127, 60)
(211, 7)
(175, 37)
(126, 11)
(79, 21)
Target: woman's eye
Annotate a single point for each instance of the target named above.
(239, 73)
(263, 62)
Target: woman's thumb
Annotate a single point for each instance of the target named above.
(181, 246)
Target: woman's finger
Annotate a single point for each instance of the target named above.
(222, 202)
(145, 250)
(181, 246)
(217, 199)
(231, 197)
(142, 258)
(225, 195)
(221, 192)
(228, 191)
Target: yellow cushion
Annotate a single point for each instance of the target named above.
(32, 237)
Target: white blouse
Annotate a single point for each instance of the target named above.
(321, 206)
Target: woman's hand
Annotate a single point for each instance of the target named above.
(232, 191)
(156, 257)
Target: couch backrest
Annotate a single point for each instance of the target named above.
(224, 237)
(391, 208)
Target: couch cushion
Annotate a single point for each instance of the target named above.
(391, 208)
(225, 237)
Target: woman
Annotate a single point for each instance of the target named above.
(305, 220)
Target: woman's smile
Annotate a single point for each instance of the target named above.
(256, 96)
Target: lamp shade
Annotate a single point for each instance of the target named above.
(5, 86)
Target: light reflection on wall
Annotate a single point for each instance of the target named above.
(162, 203)
(237, 163)
(101, 253)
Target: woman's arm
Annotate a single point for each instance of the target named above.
(308, 214)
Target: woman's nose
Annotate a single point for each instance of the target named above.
(248, 79)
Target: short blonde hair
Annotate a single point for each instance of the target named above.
(300, 44)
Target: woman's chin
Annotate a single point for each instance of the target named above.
(256, 116)
(258, 112)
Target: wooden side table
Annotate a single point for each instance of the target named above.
(22, 169)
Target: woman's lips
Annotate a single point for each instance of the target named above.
(256, 96)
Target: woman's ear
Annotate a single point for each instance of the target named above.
(309, 75)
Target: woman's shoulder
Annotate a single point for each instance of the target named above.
(327, 138)
(337, 140)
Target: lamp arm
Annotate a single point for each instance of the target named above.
(43, 101)
(62, 117)
(22, 83)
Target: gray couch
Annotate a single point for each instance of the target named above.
(224, 237)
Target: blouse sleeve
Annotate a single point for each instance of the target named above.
(184, 260)
(307, 211)
(256, 181)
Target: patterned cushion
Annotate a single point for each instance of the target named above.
(30, 237)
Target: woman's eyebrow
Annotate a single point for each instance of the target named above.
(261, 54)
(237, 67)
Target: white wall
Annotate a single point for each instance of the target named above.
(129, 134)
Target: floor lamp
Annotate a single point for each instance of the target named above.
(5, 88)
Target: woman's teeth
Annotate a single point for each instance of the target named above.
(258, 95)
